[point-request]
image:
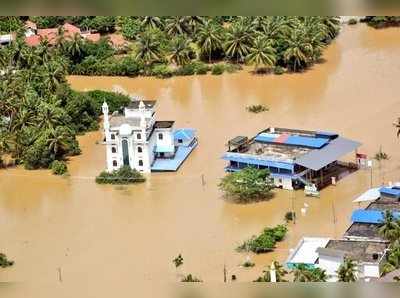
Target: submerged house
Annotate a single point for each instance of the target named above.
(294, 157)
(137, 140)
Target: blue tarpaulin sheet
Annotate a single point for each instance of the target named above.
(370, 216)
(256, 161)
(388, 191)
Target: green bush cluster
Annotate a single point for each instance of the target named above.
(264, 242)
(190, 278)
(382, 21)
(4, 262)
(256, 108)
(124, 175)
(59, 167)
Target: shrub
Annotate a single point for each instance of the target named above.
(186, 70)
(266, 241)
(59, 167)
(247, 185)
(289, 216)
(161, 71)
(352, 21)
(231, 68)
(256, 109)
(190, 278)
(217, 69)
(278, 70)
(4, 262)
(248, 264)
(200, 68)
(123, 175)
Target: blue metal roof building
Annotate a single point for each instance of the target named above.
(370, 216)
(289, 154)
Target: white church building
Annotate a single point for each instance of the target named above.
(137, 140)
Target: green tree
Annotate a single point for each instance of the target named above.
(261, 53)
(238, 41)
(209, 38)
(148, 47)
(151, 22)
(177, 25)
(298, 51)
(347, 271)
(389, 228)
(180, 51)
(247, 185)
(302, 273)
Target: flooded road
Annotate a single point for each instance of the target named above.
(73, 230)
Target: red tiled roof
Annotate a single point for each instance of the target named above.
(93, 37)
(70, 30)
(50, 34)
(33, 40)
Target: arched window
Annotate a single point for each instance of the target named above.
(112, 136)
(160, 136)
(139, 149)
(115, 163)
(138, 136)
(140, 162)
(113, 150)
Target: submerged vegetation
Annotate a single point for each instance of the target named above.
(256, 109)
(382, 21)
(59, 167)
(4, 262)
(247, 185)
(123, 175)
(190, 278)
(40, 115)
(264, 242)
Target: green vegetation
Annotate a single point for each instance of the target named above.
(390, 230)
(278, 43)
(190, 278)
(382, 21)
(247, 185)
(59, 167)
(123, 175)
(4, 262)
(265, 242)
(178, 261)
(256, 109)
(397, 126)
(347, 271)
(290, 216)
(302, 273)
(40, 115)
(280, 273)
(352, 21)
(248, 264)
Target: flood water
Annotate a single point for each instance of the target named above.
(80, 232)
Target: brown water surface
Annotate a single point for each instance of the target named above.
(108, 234)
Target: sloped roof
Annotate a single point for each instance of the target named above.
(317, 159)
(33, 40)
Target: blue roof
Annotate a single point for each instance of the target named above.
(370, 216)
(310, 142)
(392, 192)
(326, 134)
(165, 149)
(184, 134)
(173, 164)
(257, 161)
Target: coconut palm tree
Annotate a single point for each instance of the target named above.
(57, 140)
(209, 38)
(332, 25)
(238, 41)
(389, 228)
(347, 271)
(148, 47)
(151, 22)
(380, 157)
(177, 25)
(261, 53)
(397, 125)
(298, 51)
(279, 271)
(180, 51)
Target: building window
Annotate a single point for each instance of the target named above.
(160, 136)
(112, 136)
(113, 149)
(140, 163)
(138, 136)
(139, 149)
(180, 141)
(115, 163)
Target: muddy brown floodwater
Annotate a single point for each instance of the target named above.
(74, 230)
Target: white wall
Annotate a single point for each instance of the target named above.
(371, 270)
(168, 137)
(330, 264)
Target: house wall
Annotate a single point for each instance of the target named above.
(330, 264)
(371, 270)
(284, 182)
(167, 139)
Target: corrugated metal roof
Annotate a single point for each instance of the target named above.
(370, 216)
(294, 140)
(184, 134)
(388, 191)
(317, 159)
(257, 161)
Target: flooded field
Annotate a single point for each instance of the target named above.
(73, 230)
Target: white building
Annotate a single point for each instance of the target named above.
(137, 140)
